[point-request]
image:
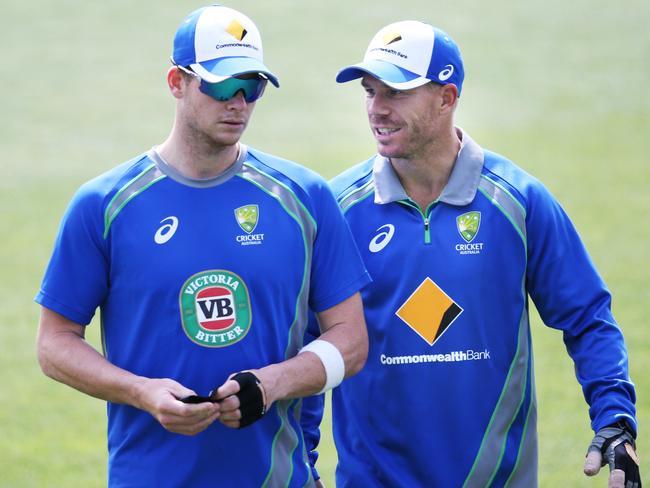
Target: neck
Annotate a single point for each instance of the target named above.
(196, 158)
(424, 177)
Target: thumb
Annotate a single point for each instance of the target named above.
(593, 462)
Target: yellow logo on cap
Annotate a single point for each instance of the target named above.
(236, 30)
(429, 311)
(392, 37)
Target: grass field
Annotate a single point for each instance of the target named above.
(559, 87)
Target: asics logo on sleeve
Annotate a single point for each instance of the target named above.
(166, 231)
(382, 239)
(445, 74)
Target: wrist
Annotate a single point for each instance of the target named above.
(269, 384)
(136, 396)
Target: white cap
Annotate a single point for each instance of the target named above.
(218, 42)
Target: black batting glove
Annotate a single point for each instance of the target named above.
(614, 445)
(252, 398)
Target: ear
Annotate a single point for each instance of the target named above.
(176, 82)
(448, 97)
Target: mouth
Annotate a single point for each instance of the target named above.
(234, 123)
(382, 133)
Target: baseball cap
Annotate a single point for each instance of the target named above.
(409, 54)
(217, 43)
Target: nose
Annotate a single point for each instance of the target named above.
(376, 105)
(238, 102)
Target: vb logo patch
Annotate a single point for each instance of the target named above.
(429, 311)
(468, 225)
(215, 308)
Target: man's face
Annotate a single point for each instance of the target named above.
(212, 121)
(405, 123)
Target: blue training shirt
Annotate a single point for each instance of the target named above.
(196, 280)
(447, 396)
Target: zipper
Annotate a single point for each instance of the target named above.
(425, 218)
(427, 234)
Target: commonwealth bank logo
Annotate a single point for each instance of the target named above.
(391, 37)
(247, 217)
(468, 225)
(429, 311)
(236, 30)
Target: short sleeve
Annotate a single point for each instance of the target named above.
(337, 271)
(76, 279)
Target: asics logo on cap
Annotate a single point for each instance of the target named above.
(236, 30)
(446, 73)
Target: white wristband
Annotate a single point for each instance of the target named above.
(332, 361)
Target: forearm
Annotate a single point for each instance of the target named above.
(303, 375)
(69, 359)
(65, 356)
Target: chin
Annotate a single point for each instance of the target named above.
(388, 152)
(222, 140)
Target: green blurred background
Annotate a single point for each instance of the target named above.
(559, 87)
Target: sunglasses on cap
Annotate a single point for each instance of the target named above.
(225, 90)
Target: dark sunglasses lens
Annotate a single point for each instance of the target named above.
(252, 88)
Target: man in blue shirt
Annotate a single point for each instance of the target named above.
(205, 258)
(456, 238)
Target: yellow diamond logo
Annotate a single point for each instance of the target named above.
(236, 30)
(429, 311)
(391, 37)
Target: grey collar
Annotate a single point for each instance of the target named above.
(459, 190)
(175, 175)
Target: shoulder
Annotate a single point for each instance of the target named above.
(356, 179)
(507, 175)
(105, 186)
(97, 201)
(292, 174)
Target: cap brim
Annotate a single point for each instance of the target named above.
(388, 73)
(216, 70)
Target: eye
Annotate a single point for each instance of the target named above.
(369, 92)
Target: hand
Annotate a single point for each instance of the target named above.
(160, 397)
(614, 445)
(243, 400)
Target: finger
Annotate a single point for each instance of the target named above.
(230, 387)
(184, 414)
(616, 479)
(230, 404)
(233, 424)
(229, 416)
(593, 461)
(196, 410)
(190, 425)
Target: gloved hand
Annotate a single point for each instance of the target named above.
(614, 445)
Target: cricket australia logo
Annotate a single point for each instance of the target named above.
(247, 218)
(215, 308)
(468, 225)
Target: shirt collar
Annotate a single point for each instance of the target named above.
(176, 175)
(459, 190)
